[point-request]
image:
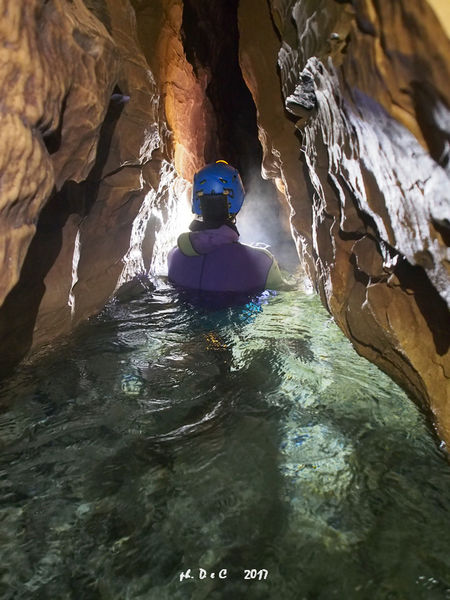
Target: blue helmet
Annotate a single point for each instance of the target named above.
(218, 178)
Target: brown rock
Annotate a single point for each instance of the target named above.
(369, 86)
(77, 161)
(183, 93)
(52, 109)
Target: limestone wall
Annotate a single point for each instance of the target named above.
(359, 143)
(85, 144)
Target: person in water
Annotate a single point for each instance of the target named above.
(209, 257)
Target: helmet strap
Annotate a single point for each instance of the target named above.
(214, 208)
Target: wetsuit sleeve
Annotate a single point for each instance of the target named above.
(275, 280)
(185, 245)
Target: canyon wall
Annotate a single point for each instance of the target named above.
(353, 112)
(87, 162)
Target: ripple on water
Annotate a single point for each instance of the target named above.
(163, 437)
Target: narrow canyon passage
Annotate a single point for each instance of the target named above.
(142, 436)
(341, 107)
(211, 44)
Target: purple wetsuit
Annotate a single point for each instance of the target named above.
(213, 260)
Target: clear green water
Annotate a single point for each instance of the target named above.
(162, 438)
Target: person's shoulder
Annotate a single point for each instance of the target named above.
(184, 244)
(257, 250)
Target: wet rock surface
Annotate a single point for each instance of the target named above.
(85, 142)
(52, 112)
(371, 218)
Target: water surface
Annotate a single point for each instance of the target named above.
(162, 438)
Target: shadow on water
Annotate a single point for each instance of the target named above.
(164, 438)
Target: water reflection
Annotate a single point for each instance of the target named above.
(163, 438)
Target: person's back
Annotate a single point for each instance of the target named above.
(209, 257)
(213, 260)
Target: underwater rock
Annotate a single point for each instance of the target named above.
(373, 149)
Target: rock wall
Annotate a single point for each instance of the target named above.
(87, 156)
(184, 106)
(359, 144)
(52, 56)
